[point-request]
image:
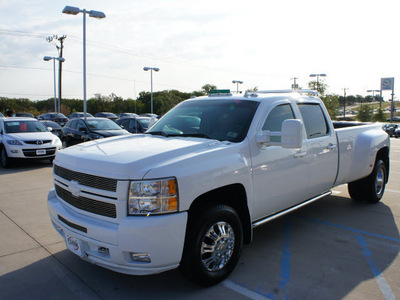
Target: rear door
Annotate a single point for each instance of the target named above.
(322, 148)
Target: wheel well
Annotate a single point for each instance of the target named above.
(233, 195)
(383, 154)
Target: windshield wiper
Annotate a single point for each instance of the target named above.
(199, 134)
(157, 133)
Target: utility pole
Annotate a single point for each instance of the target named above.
(294, 85)
(344, 102)
(60, 50)
(60, 54)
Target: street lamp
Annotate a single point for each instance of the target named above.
(318, 76)
(71, 10)
(373, 97)
(151, 82)
(237, 84)
(60, 59)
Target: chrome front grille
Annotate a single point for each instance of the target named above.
(86, 204)
(93, 181)
(38, 142)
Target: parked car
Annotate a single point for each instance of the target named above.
(56, 128)
(134, 124)
(55, 117)
(107, 115)
(397, 132)
(1, 115)
(26, 138)
(390, 128)
(80, 130)
(79, 115)
(23, 114)
(122, 115)
(150, 115)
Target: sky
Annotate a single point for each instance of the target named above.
(263, 43)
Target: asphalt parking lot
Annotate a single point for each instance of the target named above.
(335, 248)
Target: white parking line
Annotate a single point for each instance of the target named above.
(392, 191)
(243, 291)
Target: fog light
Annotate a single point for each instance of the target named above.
(14, 151)
(103, 250)
(141, 257)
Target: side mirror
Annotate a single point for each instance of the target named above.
(152, 121)
(290, 136)
(292, 133)
(49, 129)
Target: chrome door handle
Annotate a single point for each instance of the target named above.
(331, 146)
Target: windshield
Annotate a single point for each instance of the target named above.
(24, 126)
(102, 124)
(144, 122)
(224, 120)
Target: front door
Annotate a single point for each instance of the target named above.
(280, 175)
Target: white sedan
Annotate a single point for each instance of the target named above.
(26, 138)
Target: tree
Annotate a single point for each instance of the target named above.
(254, 89)
(365, 113)
(208, 87)
(318, 86)
(331, 103)
(380, 116)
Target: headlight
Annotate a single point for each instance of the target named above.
(14, 142)
(153, 197)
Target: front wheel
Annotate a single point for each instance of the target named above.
(213, 244)
(5, 160)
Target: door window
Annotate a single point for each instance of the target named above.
(275, 119)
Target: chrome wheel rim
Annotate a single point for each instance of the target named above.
(379, 181)
(217, 246)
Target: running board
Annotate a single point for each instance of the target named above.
(273, 217)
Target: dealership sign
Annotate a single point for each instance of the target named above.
(387, 83)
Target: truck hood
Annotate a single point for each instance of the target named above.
(131, 157)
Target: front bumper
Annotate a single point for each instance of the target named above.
(30, 152)
(162, 237)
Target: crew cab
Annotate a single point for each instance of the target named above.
(189, 191)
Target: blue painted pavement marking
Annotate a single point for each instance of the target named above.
(285, 260)
(382, 283)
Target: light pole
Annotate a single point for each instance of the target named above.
(373, 97)
(151, 82)
(60, 59)
(71, 10)
(318, 76)
(237, 84)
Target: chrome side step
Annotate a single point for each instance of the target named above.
(293, 208)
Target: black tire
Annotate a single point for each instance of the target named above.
(64, 143)
(371, 188)
(208, 261)
(5, 160)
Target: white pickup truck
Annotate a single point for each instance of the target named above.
(190, 190)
